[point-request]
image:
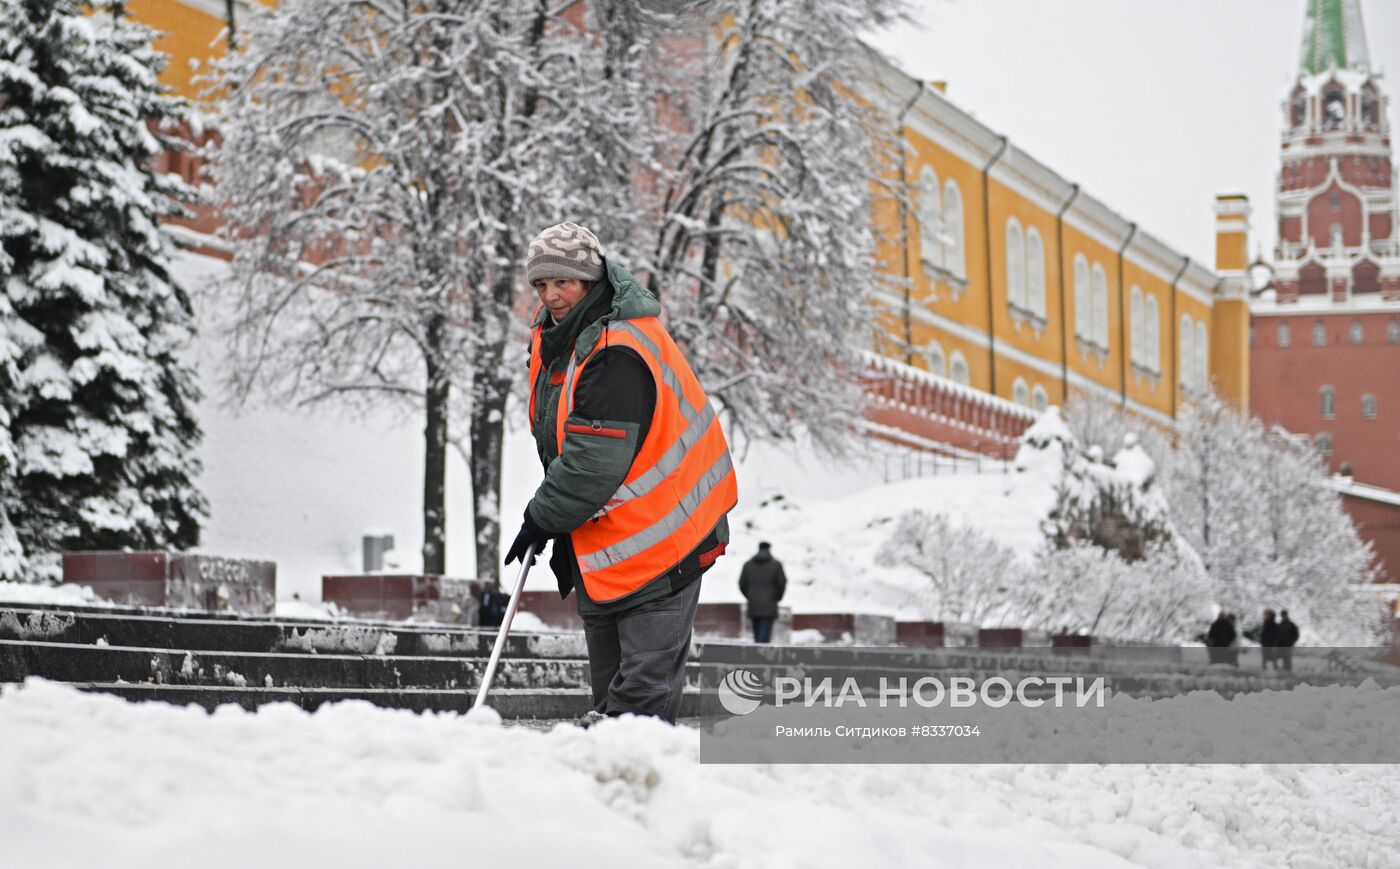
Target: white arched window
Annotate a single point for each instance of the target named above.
(1015, 264)
(1035, 272)
(1187, 352)
(1324, 443)
(1329, 402)
(1137, 313)
(1284, 338)
(1154, 335)
(1368, 406)
(1083, 315)
(955, 248)
(930, 218)
(1020, 393)
(1100, 307)
(1319, 334)
(959, 369)
(1202, 357)
(1039, 399)
(937, 362)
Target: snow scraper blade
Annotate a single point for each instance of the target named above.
(505, 627)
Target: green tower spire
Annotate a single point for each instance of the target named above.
(1333, 36)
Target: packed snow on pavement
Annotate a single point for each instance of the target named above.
(88, 779)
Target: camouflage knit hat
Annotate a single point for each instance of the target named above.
(565, 250)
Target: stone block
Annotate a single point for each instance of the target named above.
(560, 613)
(925, 634)
(1070, 644)
(1000, 638)
(862, 629)
(404, 597)
(179, 580)
(727, 620)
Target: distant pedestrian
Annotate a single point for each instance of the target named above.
(1219, 638)
(1268, 640)
(1287, 639)
(1235, 639)
(762, 583)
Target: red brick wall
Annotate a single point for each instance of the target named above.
(1286, 384)
(1378, 523)
(1321, 216)
(1291, 229)
(1303, 174)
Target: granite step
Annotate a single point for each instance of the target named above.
(536, 704)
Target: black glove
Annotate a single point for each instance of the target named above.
(530, 533)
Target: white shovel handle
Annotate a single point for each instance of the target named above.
(505, 627)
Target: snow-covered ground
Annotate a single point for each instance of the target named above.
(92, 780)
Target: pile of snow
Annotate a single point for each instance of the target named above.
(89, 779)
(63, 595)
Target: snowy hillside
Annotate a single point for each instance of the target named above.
(88, 779)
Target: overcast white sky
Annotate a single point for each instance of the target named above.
(1153, 106)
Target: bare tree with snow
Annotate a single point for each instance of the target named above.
(383, 167)
(763, 254)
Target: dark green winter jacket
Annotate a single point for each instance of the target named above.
(615, 391)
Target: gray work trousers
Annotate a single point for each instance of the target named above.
(636, 657)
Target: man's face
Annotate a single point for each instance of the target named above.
(560, 295)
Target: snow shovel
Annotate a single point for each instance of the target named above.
(505, 627)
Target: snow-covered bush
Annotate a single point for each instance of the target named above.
(1083, 588)
(971, 578)
(1254, 506)
(1114, 504)
(97, 433)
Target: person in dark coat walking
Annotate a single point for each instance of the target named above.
(762, 583)
(1268, 640)
(1287, 639)
(1219, 638)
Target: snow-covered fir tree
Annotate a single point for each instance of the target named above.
(99, 434)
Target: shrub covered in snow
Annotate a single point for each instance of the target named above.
(971, 578)
(1109, 565)
(1114, 505)
(1253, 504)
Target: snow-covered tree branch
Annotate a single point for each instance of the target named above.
(763, 252)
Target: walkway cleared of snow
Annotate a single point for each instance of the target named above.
(92, 780)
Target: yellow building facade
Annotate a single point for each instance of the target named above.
(1023, 285)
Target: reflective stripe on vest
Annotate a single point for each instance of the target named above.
(681, 482)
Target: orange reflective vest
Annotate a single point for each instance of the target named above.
(681, 482)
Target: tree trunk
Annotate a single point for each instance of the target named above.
(487, 437)
(436, 396)
(490, 389)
